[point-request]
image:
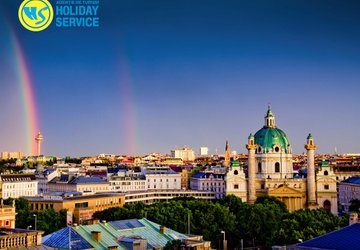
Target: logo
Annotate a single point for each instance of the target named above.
(35, 15)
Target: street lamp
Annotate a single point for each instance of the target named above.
(224, 241)
(223, 232)
(35, 221)
(28, 227)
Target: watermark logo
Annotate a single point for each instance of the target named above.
(35, 15)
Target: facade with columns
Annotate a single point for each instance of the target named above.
(270, 172)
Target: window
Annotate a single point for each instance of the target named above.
(277, 149)
(236, 172)
(326, 187)
(262, 186)
(80, 205)
(236, 186)
(259, 167)
(327, 205)
(326, 172)
(277, 167)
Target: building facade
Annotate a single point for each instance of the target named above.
(127, 183)
(270, 172)
(83, 184)
(186, 154)
(16, 185)
(7, 215)
(349, 189)
(81, 207)
(208, 181)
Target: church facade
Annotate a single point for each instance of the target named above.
(270, 172)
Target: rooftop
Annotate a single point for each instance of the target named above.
(115, 233)
(346, 238)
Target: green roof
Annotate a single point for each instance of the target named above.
(115, 233)
(268, 137)
(269, 113)
(235, 163)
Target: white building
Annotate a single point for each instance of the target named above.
(208, 181)
(162, 178)
(43, 179)
(124, 182)
(204, 151)
(270, 172)
(17, 185)
(186, 154)
(348, 190)
(235, 180)
(85, 185)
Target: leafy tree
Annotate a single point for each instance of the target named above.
(263, 224)
(354, 205)
(173, 245)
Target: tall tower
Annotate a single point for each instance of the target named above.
(251, 146)
(39, 138)
(310, 152)
(227, 155)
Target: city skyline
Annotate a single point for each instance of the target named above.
(156, 75)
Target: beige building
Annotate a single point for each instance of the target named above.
(11, 155)
(186, 154)
(82, 207)
(7, 215)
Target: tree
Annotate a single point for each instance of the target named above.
(173, 245)
(354, 205)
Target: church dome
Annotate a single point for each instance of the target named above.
(270, 138)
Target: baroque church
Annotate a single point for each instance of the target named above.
(270, 172)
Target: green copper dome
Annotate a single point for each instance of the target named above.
(270, 138)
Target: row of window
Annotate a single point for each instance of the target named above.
(213, 184)
(127, 183)
(20, 185)
(107, 201)
(162, 187)
(167, 180)
(19, 193)
(41, 206)
(277, 167)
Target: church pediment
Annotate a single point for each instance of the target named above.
(285, 191)
(326, 179)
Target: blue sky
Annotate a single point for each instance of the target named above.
(162, 74)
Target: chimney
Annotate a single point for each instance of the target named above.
(96, 235)
(353, 218)
(162, 229)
